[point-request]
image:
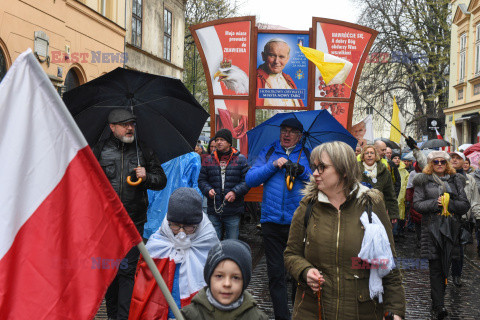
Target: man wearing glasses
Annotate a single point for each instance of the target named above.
(119, 158)
(279, 203)
(180, 249)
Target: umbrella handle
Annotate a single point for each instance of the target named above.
(136, 183)
(289, 181)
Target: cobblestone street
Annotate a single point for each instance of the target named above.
(462, 303)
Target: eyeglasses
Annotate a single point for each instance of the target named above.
(127, 124)
(187, 227)
(319, 167)
(285, 131)
(440, 162)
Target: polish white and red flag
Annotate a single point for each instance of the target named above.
(439, 136)
(63, 229)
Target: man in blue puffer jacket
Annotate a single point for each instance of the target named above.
(279, 203)
(222, 182)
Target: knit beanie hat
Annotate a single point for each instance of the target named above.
(224, 134)
(396, 154)
(185, 206)
(235, 250)
(438, 154)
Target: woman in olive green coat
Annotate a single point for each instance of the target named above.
(326, 250)
(376, 175)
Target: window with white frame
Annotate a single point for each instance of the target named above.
(167, 35)
(463, 56)
(137, 23)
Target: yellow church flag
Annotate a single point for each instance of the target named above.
(396, 135)
(334, 70)
(453, 131)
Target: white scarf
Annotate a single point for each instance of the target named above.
(376, 250)
(370, 171)
(191, 252)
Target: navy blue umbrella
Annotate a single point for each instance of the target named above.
(319, 126)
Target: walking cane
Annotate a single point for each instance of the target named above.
(319, 295)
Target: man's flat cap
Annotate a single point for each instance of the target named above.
(120, 116)
(292, 123)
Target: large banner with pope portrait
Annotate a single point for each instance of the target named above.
(249, 69)
(282, 70)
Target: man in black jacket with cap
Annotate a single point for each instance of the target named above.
(119, 157)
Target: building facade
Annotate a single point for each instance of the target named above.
(79, 40)
(74, 40)
(464, 91)
(155, 36)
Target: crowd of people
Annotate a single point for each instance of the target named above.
(330, 234)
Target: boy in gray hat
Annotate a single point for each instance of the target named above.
(227, 273)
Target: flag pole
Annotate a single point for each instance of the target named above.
(331, 68)
(161, 283)
(371, 106)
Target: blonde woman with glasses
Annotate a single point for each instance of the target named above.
(431, 188)
(323, 249)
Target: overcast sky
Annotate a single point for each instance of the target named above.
(297, 14)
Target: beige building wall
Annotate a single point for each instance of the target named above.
(464, 94)
(71, 25)
(149, 57)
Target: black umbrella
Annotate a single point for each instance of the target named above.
(389, 143)
(435, 144)
(445, 230)
(169, 119)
